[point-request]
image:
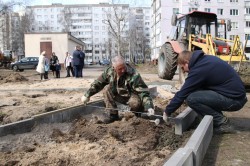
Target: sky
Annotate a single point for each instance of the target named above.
(133, 3)
(143, 3)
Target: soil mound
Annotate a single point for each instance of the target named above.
(13, 77)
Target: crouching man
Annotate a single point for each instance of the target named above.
(212, 86)
(122, 84)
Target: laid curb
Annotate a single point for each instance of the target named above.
(194, 151)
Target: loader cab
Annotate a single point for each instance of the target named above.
(196, 23)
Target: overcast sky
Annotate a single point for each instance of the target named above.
(143, 3)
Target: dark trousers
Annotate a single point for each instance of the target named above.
(57, 73)
(207, 102)
(77, 70)
(70, 69)
(80, 71)
(46, 75)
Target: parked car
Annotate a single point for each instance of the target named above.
(88, 63)
(24, 63)
(104, 62)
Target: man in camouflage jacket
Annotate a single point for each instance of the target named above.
(122, 84)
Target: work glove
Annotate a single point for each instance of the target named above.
(84, 99)
(165, 117)
(151, 111)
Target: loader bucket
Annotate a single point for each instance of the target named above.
(243, 70)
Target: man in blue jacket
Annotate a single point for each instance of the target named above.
(78, 61)
(212, 86)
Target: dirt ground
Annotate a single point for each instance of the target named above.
(130, 141)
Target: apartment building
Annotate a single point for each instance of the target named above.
(10, 38)
(99, 26)
(139, 33)
(238, 11)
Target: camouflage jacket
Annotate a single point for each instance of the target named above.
(129, 83)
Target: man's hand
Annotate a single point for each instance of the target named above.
(84, 99)
(151, 111)
(165, 117)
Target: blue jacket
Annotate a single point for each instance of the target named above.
(78, 58)
(208, 72)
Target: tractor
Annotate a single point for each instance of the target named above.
(6, 58)
(198, 30)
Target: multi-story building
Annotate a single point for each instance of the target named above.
(140, 33)
(99, 26)
(9, 32)
(237, 11)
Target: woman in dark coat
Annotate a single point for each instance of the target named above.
(53, 62)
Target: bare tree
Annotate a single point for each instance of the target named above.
(9, 36)
(65, 19)
(117, 20)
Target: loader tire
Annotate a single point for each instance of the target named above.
(167, 62)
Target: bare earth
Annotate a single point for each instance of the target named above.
(131, 141)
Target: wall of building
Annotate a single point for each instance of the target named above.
(60, 44)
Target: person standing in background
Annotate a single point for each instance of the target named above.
(78, 61)
(53, 62)
(82, 56)
(46, 68)
(58, 68)
(68, 64)
(41, 65)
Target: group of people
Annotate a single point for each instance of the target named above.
(44, 65)
(212, 86)
(73, 64)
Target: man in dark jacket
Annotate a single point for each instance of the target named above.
(78, 61)
(212, 86)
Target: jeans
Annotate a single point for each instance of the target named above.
(77, 70)
(207, 102)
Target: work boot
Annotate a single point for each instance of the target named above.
(114, 117)
(224, 128)
(107, 118)
(103, 118)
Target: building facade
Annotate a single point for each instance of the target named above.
(58, 42)
(104, 28)
(238, 11)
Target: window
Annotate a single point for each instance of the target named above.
(235, 25)
(207, 10)
(220, 1)
(247, 24)
(220, 12)
(246, 37)
(207, 0)
(248, 10)
(233, 1)
(96, 27)
(176, 10)
(234, 12)
(192, 9)
(231, 37)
